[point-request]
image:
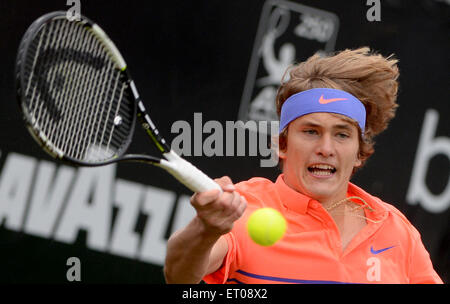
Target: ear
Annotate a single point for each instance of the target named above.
(358, 162)
(282, 154)
(281, 142)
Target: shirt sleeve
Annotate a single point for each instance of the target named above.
(220, 276)
(236, 239)
(421, 267)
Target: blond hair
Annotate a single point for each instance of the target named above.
(368, 76)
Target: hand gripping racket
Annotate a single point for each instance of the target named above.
(80, 103)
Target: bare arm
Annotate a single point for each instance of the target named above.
(199, 248)
(191, 255)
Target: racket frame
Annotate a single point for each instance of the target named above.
(138, 111)
(181, 169)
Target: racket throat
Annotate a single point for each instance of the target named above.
(148, 125)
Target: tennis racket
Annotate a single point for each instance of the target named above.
(80, 103)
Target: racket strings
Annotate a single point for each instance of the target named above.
(27, 90)
(76, 97)
(54, 38)
(115, 114)
(61, 95)
(34, 104)
(41, 119)
(66, 102)
(84, 95)
(98, 147)
(50, 106)
(56, 127)
(99, 110)
(87, 95)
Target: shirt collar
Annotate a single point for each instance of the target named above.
(291, 198)
(379, 211)
(298, 202)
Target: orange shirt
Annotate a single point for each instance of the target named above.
(388, 251)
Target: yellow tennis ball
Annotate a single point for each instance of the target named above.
(266, 226)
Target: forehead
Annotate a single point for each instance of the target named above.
(325, 120)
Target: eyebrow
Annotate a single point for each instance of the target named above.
(345, 126)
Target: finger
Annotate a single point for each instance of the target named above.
(225, 183)
(242, 206)
(229, 202)
(204, 198)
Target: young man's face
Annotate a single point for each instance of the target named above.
(321, 152)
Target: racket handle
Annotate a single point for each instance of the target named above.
(187, 173)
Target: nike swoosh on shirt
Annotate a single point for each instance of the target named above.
(379, 251)
(325, 101)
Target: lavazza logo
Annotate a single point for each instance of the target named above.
(55, 202)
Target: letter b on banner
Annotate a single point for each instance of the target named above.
(429, 146)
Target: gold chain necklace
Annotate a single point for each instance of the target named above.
(334, 205)
(366, 205)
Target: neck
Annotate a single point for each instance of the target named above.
(330, 203)
(326, 201)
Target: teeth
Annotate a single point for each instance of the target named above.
(320, 172)
(323, 167)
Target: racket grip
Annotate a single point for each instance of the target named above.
(187, 173)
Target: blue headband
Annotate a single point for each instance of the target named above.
(322, 100)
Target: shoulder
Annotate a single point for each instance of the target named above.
(395, 215)
(400, 221)
(398, 224)
(258, 191)
(254, 184)
(393, 218)
(395, 229)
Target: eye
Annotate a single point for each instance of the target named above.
(310, 131)
(343, 135)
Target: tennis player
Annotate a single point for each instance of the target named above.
(330, 110)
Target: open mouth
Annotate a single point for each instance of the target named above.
(322, 170)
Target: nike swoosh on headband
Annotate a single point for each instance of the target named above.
(325, 101)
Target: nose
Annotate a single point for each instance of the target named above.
(325, 146)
